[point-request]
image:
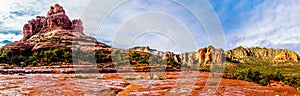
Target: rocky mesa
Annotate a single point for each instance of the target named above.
(244, 55)
(210, 55)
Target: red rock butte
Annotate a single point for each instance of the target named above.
(52, 31)
(56, 18)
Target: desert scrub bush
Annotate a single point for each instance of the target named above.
(252, 75)
(204, 69)
(34, 63)
(292, 81)
(288, 74)
(157, 77)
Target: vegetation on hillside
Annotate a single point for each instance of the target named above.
(41, 57)
(64, 55)
(135, 58)
(262, 72)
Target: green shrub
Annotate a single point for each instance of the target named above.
(258, 77)
(34, 63)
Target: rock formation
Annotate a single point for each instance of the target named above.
(169, 54)
(55, 19)
(243, 55)
(201, 55)
(204, 56)
(210, 55)
(77, 25)
(189, 59)
(286, 55)
(54, 30)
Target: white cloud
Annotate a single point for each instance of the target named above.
(10, 37)
(270, 24)
(176, 32)
(128, 11)
(155, 41)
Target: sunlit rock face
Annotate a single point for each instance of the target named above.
(54, 30)
(204, 56)
(210, 55)
(285, 55)
(244, 55)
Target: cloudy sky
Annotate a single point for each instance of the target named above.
(167, 25)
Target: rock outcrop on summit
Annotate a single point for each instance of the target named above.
(52, 31)
(56, 18)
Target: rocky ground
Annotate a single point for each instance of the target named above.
(69, 69)
(132, 84)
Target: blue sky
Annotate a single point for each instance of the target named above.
(233, 12)
(263, 23)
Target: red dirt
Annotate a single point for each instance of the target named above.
(175, 83)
